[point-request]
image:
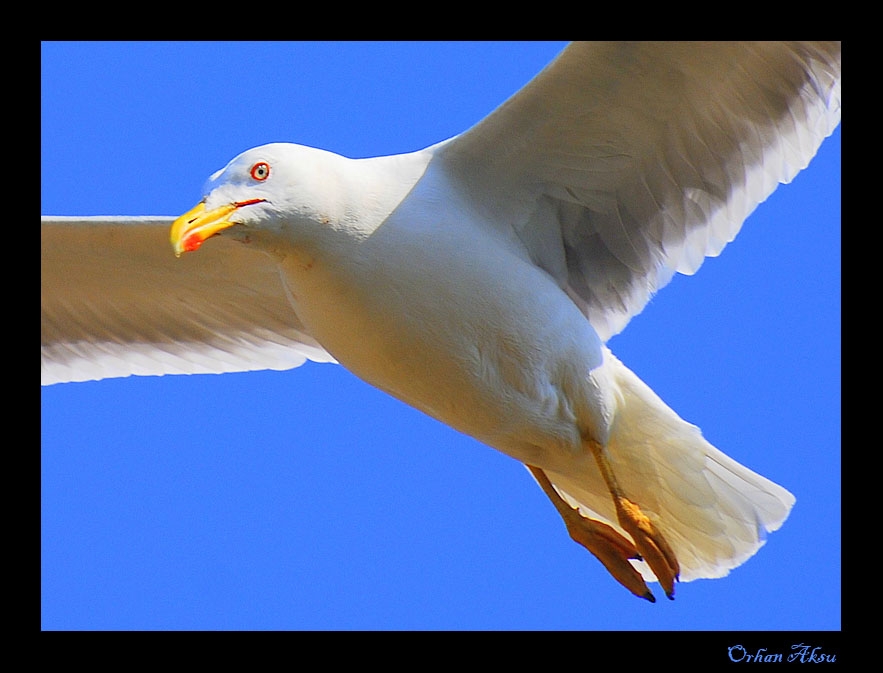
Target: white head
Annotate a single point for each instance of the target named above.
(264, 191)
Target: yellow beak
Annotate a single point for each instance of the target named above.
(196, 226)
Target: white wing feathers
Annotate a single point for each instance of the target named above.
(116, 302)
(621, 164)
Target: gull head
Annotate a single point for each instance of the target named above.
(263, 190)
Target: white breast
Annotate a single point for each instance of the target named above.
(455, 322)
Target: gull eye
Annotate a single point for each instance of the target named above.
(260, 171)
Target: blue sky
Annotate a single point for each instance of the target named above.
(309, 500)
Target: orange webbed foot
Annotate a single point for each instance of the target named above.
(650, 543)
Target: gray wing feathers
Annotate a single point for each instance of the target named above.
(115, 302)
(621, 164)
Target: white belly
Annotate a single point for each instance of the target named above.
(467, 332)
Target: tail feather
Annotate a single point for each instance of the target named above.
(714, 512)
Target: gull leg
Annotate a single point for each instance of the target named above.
(649, 541)
(608, 546)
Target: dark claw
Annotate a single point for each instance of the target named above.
(649, 596)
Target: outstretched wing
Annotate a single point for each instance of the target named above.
(115, 302)
(623, 163)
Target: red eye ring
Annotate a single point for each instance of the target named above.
(260, 171)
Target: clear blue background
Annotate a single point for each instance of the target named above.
(308, 500)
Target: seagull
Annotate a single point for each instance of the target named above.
(479, 279)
